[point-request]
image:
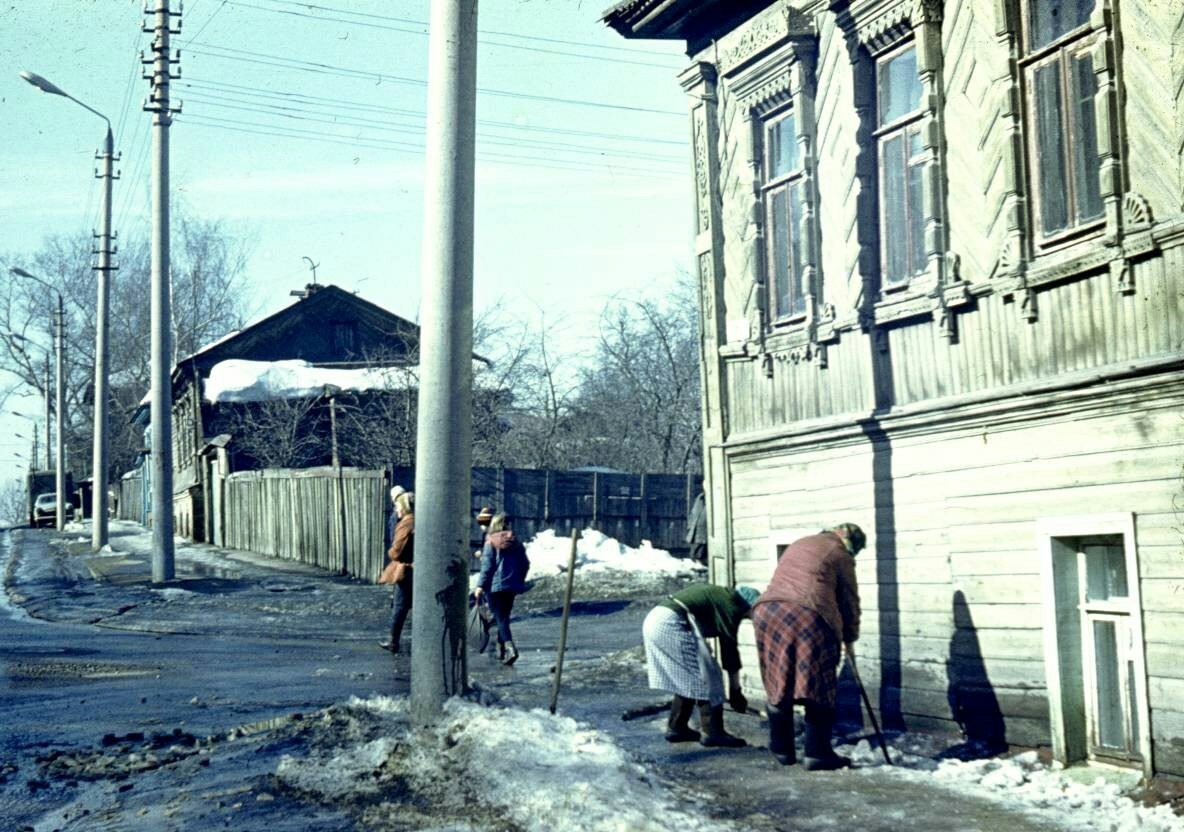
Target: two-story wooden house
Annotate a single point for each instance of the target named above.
(941, 255)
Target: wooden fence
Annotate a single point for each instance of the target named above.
(296, 514)
(628, 507)
(131, 497)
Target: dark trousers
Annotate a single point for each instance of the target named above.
(502, 604)
(400, 609)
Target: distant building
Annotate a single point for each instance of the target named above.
(334, 332)
(941, 256)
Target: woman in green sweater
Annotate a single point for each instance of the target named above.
(678, 659)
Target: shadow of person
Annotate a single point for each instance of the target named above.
(972, 699)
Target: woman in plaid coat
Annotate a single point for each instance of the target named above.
(811, 604)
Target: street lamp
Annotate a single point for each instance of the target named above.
(105, 252)
(59, 338)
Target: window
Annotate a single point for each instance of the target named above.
(1060, 87)
(902, 161)
(785, 197)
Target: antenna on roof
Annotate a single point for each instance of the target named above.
(313, 267)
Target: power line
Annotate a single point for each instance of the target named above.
(299, 114)
(424, 24)
(314, 100)
(282, 62)
(255, 128)
(423, 31)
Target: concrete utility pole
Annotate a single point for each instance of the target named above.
(163, 568)
(48, 418)
(105, 251)
(60, 412)
(444, 433)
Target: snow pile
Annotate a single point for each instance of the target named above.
(526, 769)
(1024, 783)
(597, 552)
(239, 380)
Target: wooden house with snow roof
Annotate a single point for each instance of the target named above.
(327, 339)
(940, 250)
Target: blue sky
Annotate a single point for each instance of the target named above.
(302, 126)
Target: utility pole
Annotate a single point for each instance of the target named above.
(161, 394)
(445, 423)
(48, 419)
(104, 267)
(60, 412)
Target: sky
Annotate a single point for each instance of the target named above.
(302, 128)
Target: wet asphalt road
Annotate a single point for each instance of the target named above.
(127, 708)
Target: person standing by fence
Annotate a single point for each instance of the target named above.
(504, 566)
(481, 603)
(398, 571)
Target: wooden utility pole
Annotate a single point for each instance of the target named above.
(444, 453)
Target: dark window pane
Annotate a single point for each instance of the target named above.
(1085, 144)
(782, 147)
(1050, 149)
(1108, 690)
(917, 218)
(779, 252)
(1050, 19)
(893, 209)
(797, 287)
(900, 86)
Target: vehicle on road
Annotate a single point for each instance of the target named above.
(45, 509)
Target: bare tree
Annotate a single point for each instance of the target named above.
(13, 509)
(281, 433)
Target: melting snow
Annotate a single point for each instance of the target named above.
(239, 380)
(597, 552)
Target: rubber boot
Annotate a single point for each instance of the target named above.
(677, 727)
(781, 737)
(711, 722)
(511, 654)
(819, 755)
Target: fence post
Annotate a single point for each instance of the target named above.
(643, 519)
(596, 501)
(548, 497)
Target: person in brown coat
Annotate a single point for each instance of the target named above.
(398, 571)
(809, 608)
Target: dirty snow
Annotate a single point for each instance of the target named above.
(597, 552)
(537, 771)
(1065, 797)
(239, 380)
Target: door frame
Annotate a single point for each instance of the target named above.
(1069, 742)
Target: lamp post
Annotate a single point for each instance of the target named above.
(105, 252)
(59, 339)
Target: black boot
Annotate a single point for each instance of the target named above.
(711, 722)
(819, 754)
(677, 729)
(781, 737)
(501, 650)
(511, 654)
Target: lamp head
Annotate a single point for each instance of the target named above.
(19, 272)
(42, 84)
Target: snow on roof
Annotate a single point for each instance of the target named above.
(239, 380)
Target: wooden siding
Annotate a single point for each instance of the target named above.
(292, 515)
(950, 581)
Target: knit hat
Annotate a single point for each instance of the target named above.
(484, 516)
(749, 594)
(396, 491)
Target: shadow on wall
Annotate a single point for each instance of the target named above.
(971, 696)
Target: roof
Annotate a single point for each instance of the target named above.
(678, 19)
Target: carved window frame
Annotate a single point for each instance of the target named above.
(1094, 39)
(768, 91)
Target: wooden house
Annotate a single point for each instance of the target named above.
(328, 327)
(940, 248)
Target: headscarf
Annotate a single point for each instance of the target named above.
(396, 491)
(852, 537)
(499, 522)
(749, 594)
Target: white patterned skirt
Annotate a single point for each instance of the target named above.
(676, 658)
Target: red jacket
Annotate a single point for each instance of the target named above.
(817, 572)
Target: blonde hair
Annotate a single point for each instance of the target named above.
(499, 523)
(405, 503)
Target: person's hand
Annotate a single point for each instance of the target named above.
(738, 701)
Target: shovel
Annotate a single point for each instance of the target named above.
(871, 714)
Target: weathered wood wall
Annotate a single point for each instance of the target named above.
(1059, 393)
(293, 515)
